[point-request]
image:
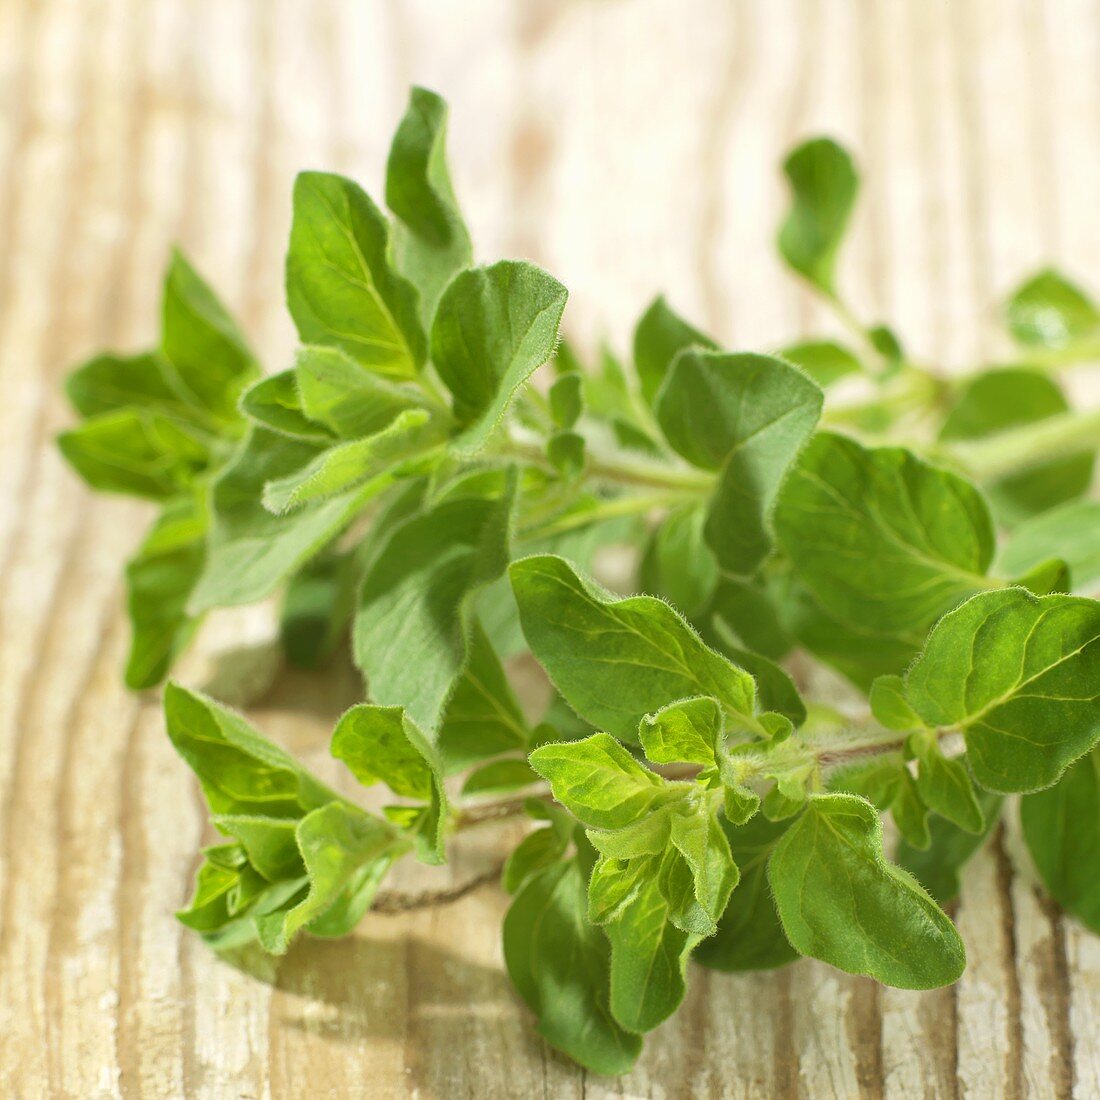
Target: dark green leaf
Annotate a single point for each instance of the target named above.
(1062, 830)
(841, 901)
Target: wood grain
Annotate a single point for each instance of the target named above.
(631, 146)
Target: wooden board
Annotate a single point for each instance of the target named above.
(631, 146)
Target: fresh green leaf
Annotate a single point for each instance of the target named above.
(250, 550)
(348, 466)
(749, 935)
(890, 705)
(1019, 675)
(686, 731)
(678, 564)
(383, 743)
(535, 851)
(341, 289)
(412, 624)
(937, 866)
(110, 383)
(841, 901)
(748, 415)
(616, 660)
(1071, 532)
(207, 356)
(499, 776)
(944, 784)
(661, 334)
(560, 964)
(483, 717)
(275, 404)
(430, 243)
(1049, 311)
(824, 185)
(648, 959)
(348, 401)
(1062, 830)
(141, 454)
(159, 581)
(1008, 398)
(825, 361)
(599, 782)
(567, 400)
(885, 542)
(494, 327)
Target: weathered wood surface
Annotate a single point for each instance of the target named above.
(631, 146)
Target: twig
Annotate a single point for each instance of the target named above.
(390, 902)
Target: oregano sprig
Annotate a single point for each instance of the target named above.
(431, 482)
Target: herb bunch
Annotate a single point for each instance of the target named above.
(404, 485)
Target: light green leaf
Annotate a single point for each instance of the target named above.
(348, 466)
(250, 551)
(483, 717)
(1049, 311)
(749, 935)
(207, 355)
(599, 782)
(661, 334)
(560, 965)
(824, 184)
(748, 415)
(1071, 532)
(499, 776)
(744, 614)
(383, 743)
(566, 452)
(430, 242)
(412, 625)
(890, 705)
(535, 851)
(341, 289)
(269, 842)
(138, 453)
(567, 399)
(678, 564)
(1008, 398)
(937, 866)
(159, 581)
(885, 542)
(494, 327)
(275, 404)
(686, 731)
(841, 901)
(346, 853)
(616, 660)
(240, 771)
(1048, 576)
(349, 401)
(1062, 830)
(825, 361)
(944, 784)
(648, 959)
(1020, 675)
(110, 383)
(775, 690)
(318, 605)
(702, 847)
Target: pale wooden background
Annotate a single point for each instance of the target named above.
(630, 146)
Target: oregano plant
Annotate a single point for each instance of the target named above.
(431, 483)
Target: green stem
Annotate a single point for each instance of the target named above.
(1020, 449)
(626, 505)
